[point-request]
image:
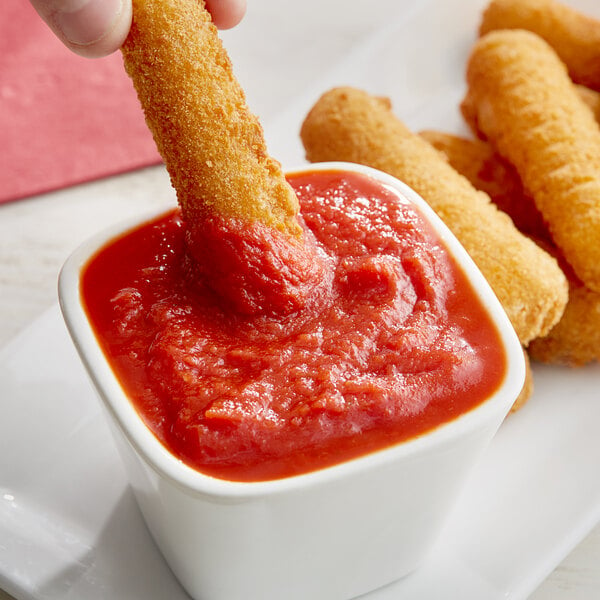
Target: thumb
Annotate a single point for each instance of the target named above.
(91, 28)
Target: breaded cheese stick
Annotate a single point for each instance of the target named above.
(521, 98)
(489, 172)
(575, 339)
(212, 145)
(574, 36)
(349, 124)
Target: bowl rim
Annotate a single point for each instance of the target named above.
(158, 457)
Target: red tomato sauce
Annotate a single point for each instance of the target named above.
(387, 342)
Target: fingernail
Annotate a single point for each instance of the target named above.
(88, 21)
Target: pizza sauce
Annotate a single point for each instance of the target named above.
(366, 335)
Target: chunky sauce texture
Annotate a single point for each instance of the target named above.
(248, 381)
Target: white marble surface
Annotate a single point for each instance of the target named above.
(37, 234)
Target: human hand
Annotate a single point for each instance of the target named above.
(94, 28)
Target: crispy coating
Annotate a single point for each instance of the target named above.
(574, 36)
(489, 172)
(212, 145)
(521, 99)
(349, 124)
(575, 339)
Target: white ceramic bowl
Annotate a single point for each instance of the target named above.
(331, 534)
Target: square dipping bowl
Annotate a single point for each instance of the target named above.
(330, 534)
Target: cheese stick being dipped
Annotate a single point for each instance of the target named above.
(349, 124)
(212, 145)
(521, 99)
(575, 339)
(574, 36)
(216, 155)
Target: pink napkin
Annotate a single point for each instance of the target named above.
(63, 119)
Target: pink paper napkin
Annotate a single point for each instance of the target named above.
(63, 119)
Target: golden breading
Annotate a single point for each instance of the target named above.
(489, 172)
(574, 36)
(349, 124)
(212, 145)
(521, 99)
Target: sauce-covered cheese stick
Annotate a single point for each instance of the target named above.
(349, 124)
(574, 36)
(212, 145)
(575, 339)
(521, 98)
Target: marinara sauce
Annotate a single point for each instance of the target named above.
(387, 342)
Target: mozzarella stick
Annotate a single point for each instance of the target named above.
(521, 98)
(574, 36)
(489, 172)
(213, 147)
(349, 124)
(575, 339)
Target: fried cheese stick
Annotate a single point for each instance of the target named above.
(575, 339)
(349, 124)
(521, 99)
(574, 36)
(213, 147)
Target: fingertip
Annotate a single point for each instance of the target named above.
(90, 28)
(111, 40)
(226, 13)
